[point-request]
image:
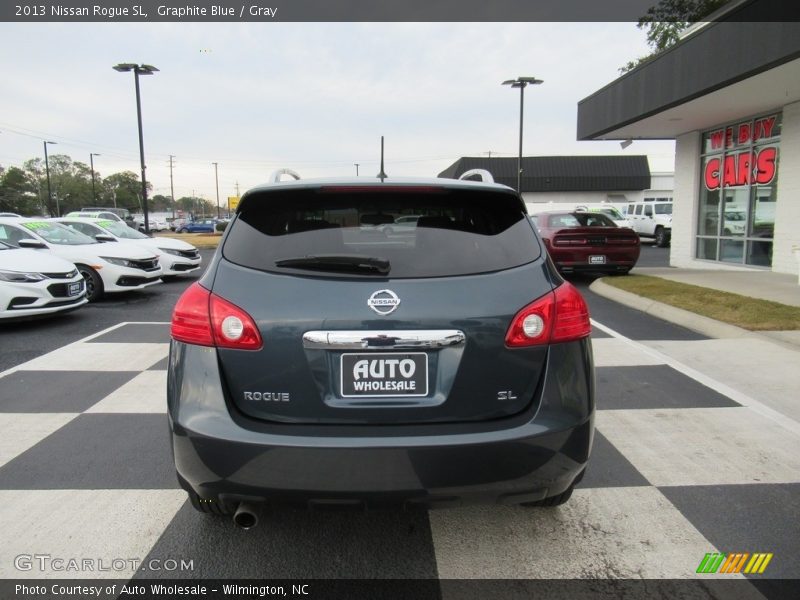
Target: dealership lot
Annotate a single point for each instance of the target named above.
(683, 465)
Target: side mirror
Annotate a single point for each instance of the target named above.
(102, 237)
(32, 244)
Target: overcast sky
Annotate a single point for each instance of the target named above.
(312, 97)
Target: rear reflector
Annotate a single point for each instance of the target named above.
(558, 316)
(205, 319)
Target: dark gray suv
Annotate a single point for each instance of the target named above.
(326, 359)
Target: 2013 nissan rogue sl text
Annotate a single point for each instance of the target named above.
(325, 359)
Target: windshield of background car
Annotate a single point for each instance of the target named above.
(56, 233)
(592, 220)
(612, 213)
(121, 230)
(663, 209)
(457, 232)
(579, 219)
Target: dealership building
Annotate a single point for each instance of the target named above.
(569, 181)
(728, 93)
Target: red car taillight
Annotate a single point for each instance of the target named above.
(205, 319)
(558, 316)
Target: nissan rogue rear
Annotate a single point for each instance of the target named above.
(325, 359)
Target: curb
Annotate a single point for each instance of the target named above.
(684, 318)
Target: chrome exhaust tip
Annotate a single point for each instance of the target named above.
(246, 516)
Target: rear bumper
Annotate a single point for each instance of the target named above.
(616, 260)
(521, 459)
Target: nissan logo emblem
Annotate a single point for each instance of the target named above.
(383, 302)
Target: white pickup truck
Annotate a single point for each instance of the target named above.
(652, 219)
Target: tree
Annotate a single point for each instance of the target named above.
(160, 203)
(123, 190)
(666, 20)
(196, 206)
(18, 192)
(70, 183)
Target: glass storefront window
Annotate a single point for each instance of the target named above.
(736, 209)
(708, 223)
(707, 248)
(731, 251)
(734, 213)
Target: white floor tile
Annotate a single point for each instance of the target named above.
(145, 393)
(21, 431)
(99, 357)
(107, 527)
(703, 446)
(613, 352)
(600, 533)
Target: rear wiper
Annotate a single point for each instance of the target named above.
(337, 262)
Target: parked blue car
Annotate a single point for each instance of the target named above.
(205, 226)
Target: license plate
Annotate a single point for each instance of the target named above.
(384, 374)
(74, 288)
(597, 260)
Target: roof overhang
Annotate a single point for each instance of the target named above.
(723, 72)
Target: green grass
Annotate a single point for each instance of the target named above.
(198, 240)
(749, 313)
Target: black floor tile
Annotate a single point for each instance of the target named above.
(102, 451)
(58, 391)
(653, 386)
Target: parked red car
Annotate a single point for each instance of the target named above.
(587, 242)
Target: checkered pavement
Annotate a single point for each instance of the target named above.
(682, 465)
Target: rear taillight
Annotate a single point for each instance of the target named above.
(572, 315)
(558, 316)
(205, 319)
(232, 327)
(191, 322)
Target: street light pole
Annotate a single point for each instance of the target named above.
(139, 70)
(521, 83)
(47, 170)
(216, 179)
(91, 162)
(356, 164)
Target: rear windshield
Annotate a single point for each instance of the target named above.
(432, 233)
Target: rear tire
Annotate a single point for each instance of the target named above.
(661, 237)
(94, 284)
(208, 506)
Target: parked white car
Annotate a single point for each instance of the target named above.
(652, 219)
(155, 223)
(33, 284)
(108, 267)
(176, 257)
(611, 212)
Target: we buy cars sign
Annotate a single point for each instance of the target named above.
(749, 166)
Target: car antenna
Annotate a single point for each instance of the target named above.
(382, 175)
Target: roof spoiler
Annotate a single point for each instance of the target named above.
(275, 176)
(482, 173)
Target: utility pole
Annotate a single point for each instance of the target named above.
(91, 161)
(356, 164)
(216, 180)
(171, 186)
(47, 168)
